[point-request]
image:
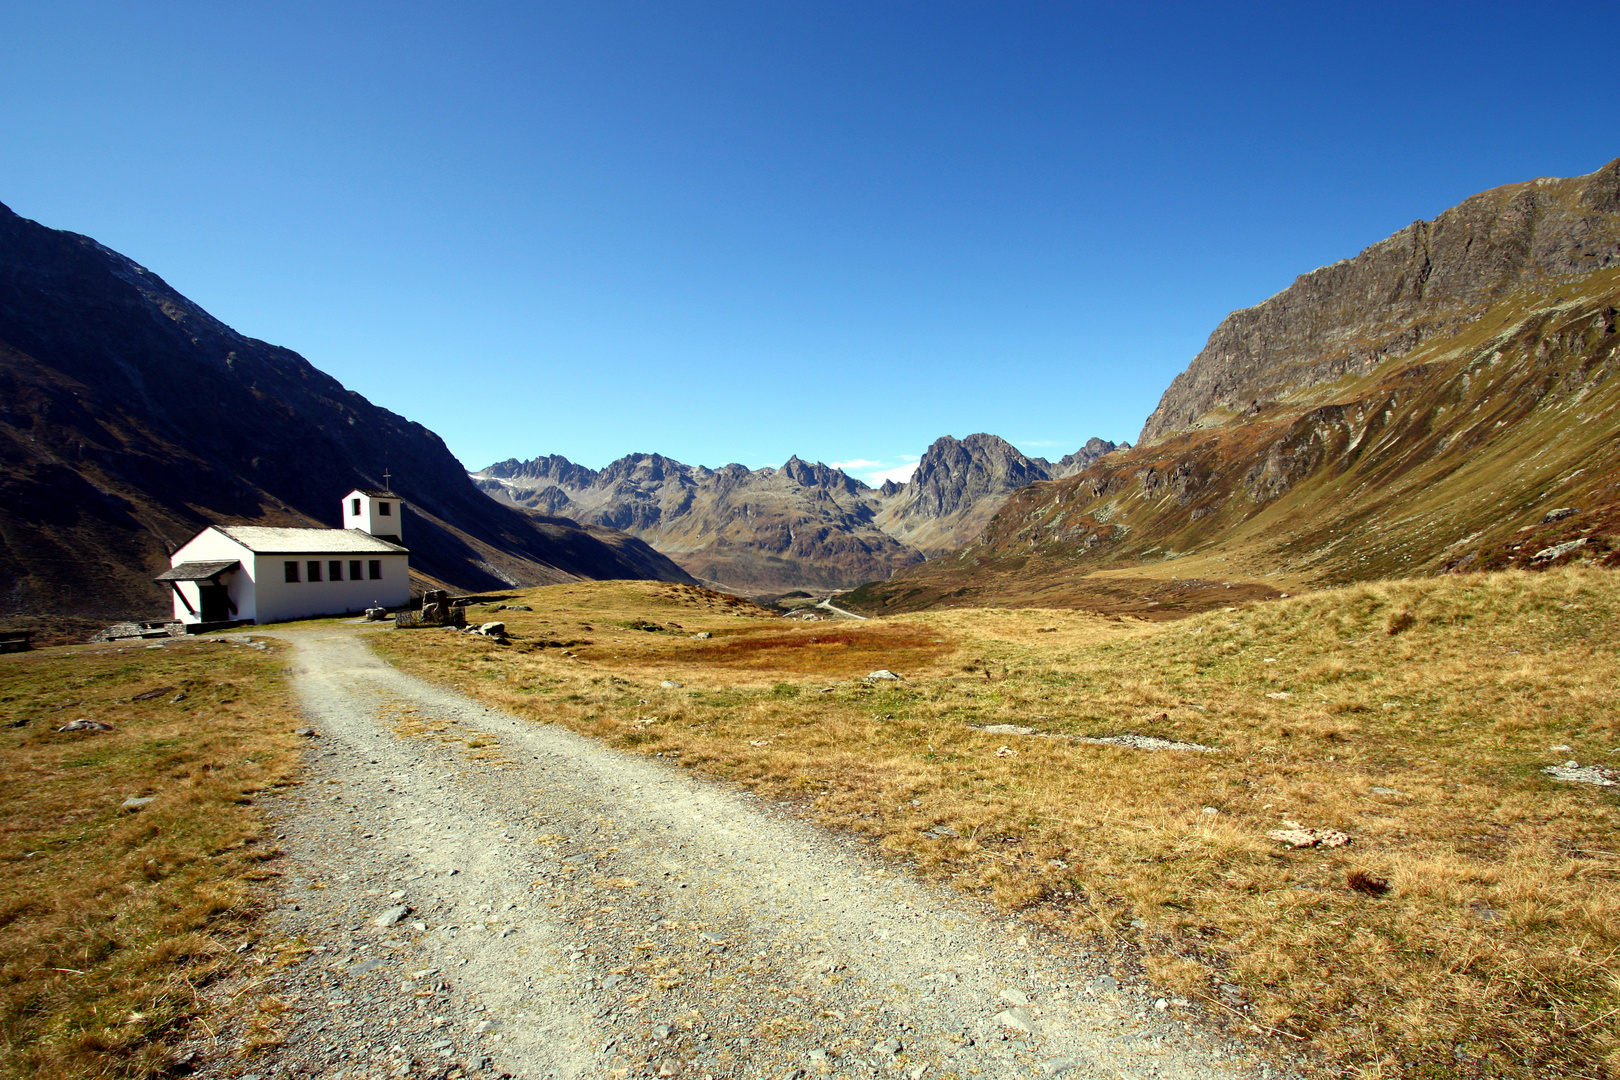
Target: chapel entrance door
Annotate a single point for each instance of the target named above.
(214, 602)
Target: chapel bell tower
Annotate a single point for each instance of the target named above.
(377, 512)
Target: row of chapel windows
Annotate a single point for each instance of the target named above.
(334, 570)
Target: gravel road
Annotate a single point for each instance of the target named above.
(543, 906)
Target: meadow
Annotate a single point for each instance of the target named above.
(1469, 928)
(116, 914)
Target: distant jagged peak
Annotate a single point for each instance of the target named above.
(980, 452)
(652, 469)
(553, 467)
(955, 473)
(821, 475)
(643, 468)
(1094, 448)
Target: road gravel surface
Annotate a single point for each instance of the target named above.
(469, 893)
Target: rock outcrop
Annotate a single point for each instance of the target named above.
(1424, 282)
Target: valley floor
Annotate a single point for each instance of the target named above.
(657, 830)
(468, 890)
(1466, 928)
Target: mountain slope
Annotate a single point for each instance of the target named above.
(130, 418)
(1427, 280)
(959, 485)
(1468, 420)
(802, 526)
(754, 531)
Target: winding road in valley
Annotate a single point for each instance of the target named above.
(471, 892)
(827, 605)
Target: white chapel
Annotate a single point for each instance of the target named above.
(262, 574)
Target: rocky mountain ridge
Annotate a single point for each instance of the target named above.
(130, 418)
(1427, 280)
(800, 526)
(1446, 401)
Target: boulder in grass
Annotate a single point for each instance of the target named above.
(1300, 838)
(881, 675)
(85, 725)
(1574, 772)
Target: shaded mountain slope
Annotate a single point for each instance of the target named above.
(1491, 440)
(803, 526)
(130, 418)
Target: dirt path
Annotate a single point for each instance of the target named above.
(577, 912)
(827, 605)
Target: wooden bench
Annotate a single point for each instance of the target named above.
(16, 640)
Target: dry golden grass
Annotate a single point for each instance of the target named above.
(1470, 929)
(110, 920)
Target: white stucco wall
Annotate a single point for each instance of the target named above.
(279, 599)
(262, 593)
(210, 545)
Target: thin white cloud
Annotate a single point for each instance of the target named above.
(899, 474)
(875, 472)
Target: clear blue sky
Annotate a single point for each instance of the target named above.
(735, 232)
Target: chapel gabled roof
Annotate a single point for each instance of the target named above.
(198, 571)
(272, 540)
(376, 494)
